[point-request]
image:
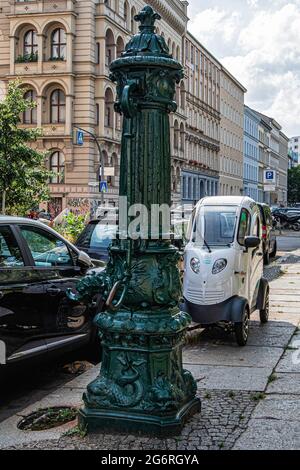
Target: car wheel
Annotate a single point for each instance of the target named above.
(273, 254)
(264, 313)
(296, 227)
(267, 257)
(241, 329)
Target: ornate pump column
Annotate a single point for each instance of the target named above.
(142, 386)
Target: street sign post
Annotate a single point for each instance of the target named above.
(103, 187)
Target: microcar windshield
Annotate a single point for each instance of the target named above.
(215, 225)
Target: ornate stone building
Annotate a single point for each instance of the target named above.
(62, 51)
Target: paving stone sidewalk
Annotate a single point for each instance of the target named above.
(250, 396)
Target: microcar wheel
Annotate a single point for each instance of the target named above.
(267, 257)
(273, 254)
(241, 329)
(264, 313)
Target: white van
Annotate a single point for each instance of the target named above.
(223, 268)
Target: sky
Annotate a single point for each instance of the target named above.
(258, 41)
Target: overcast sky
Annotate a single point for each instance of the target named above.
(259, 42)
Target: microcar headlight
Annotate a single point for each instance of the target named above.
(195, 265)
(219, 266)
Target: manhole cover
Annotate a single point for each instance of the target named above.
(47, 418)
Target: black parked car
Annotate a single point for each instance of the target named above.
(268, 233)
(96, 238)
(37, 266)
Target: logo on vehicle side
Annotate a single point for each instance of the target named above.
(2, 352)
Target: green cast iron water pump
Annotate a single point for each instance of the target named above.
(142, 386)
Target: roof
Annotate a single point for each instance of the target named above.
(227, 200)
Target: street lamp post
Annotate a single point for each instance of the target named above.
(142, 386)
(100, 155)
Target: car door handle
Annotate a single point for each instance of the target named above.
(53, 291)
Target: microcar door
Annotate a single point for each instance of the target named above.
(256, 259)
(244, 260)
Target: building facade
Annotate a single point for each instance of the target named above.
(251, 153)
(264, 131)
(231, 135)
(62, 51)
(273, 155)
(200, 165)
(294, 150)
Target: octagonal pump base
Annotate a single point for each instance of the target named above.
(135, 423)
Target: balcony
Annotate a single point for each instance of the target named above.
(53, 130)
(32, 7)
(26, 68)
(55, 66)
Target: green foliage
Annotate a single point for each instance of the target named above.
(23, 176)
(27, 58)
(72, 226)
(294, 185)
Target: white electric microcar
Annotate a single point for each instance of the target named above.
(223, 269)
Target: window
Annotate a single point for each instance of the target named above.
(30, 43)
(47, 250)
(215, 224)
(244, 226)
(30, 116)
(97, 115)
(108, 122)
(10, 254)
(256, 226)
(97, 53)
(57, 107)
(57, 166)
(58, 44)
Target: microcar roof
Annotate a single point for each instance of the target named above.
(240, 201)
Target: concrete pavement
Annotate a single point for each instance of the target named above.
(250, 396)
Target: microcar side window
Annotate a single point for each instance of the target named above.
(244, 226)
(256, 227)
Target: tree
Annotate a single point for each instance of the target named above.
(294, 185)
(23, 175)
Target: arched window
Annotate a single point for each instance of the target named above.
(57, 166)
(30, 43)
(58, 44)
(182, 135)
(182, 96)
(176, 136)
(120, 46)
(133, 22)
(109, 47)
(126, 14)
(108, 122)
(30, 116)
(57, 107)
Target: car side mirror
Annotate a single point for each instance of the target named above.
(252, 242)
(84, 261)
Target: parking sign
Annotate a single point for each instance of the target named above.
(270, 177)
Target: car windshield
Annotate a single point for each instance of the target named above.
(215, 225)
(97, 236)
